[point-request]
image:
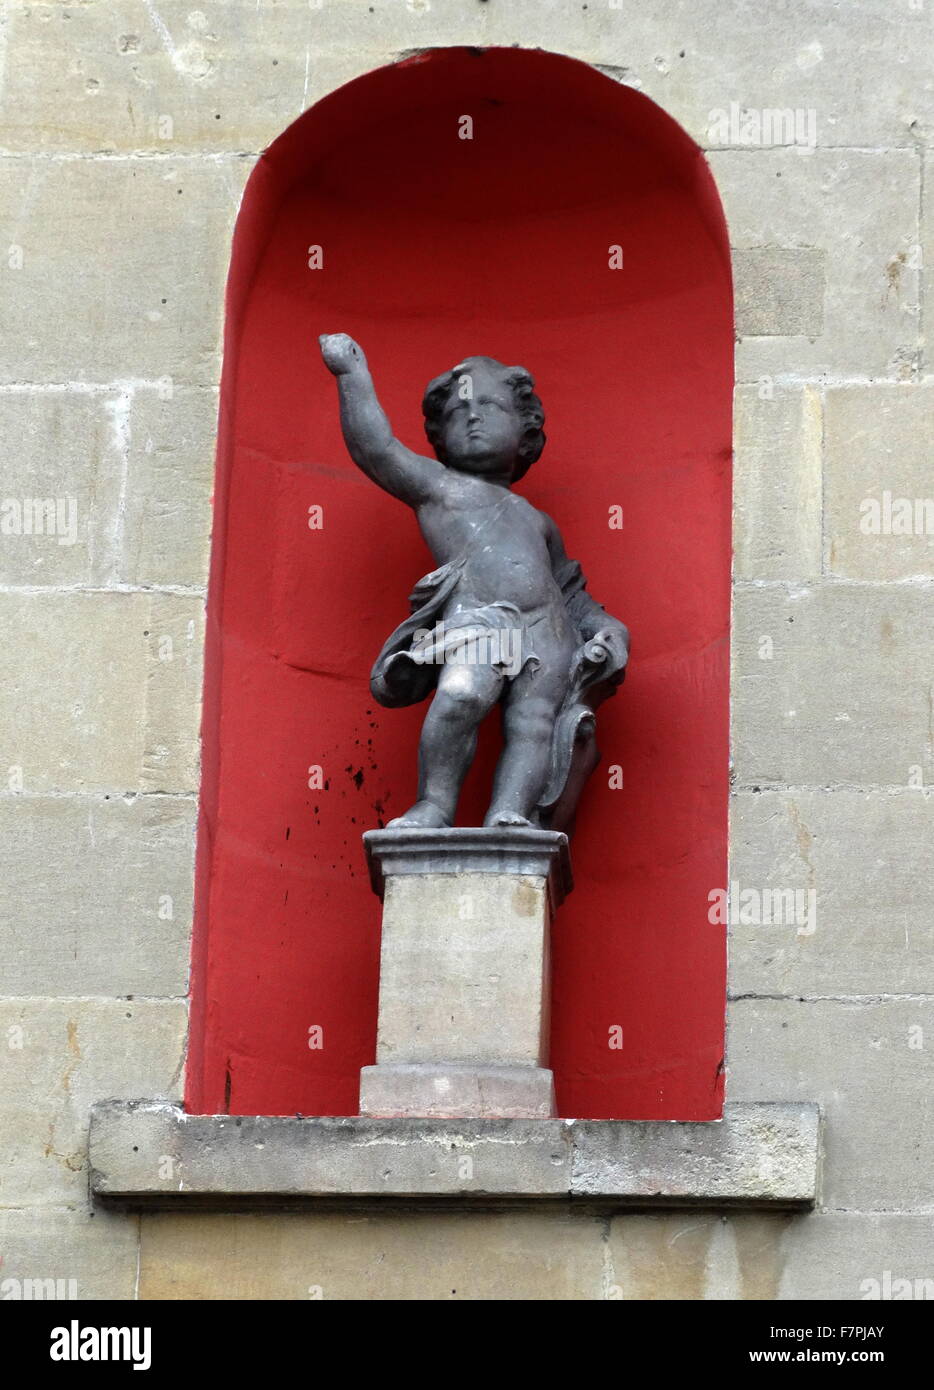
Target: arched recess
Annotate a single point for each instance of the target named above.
(435, 247)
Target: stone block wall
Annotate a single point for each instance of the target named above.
(129, 128)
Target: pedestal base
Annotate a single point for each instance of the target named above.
(444, 1090)
(464, 987)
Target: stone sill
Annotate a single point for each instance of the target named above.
(761, 1154)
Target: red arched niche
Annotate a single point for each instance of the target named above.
(436, 247)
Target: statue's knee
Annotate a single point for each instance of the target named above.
(459, 703)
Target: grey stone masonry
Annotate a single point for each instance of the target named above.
(151, 1154)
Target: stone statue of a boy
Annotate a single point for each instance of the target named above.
(506, 617)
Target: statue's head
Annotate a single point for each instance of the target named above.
(482, 417)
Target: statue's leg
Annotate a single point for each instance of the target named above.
(464, 697)
(529, 716)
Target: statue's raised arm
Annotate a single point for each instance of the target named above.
(367, 431)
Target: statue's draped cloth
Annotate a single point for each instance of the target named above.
(406, 670)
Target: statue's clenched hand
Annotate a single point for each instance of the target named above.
(341, 354)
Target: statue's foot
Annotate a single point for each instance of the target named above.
(506, 818)
(424, 815)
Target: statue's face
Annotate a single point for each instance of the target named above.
(481, 427)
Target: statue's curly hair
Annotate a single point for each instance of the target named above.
(528, 407)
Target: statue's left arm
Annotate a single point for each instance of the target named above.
(605, 640)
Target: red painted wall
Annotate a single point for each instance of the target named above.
(437, 247)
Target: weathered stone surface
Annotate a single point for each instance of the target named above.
(695, 60)
(60, 449)
(519, 851)
(777, 483)
(171, 720)
(170, 478)
(859, 852)
(844, 695)
(857, 208)
(869, 1065)
(770, 1256)
(171, 79)
(698, 1255)
(112, 485)
(145, 1153)
(660, 1255)
(926, 248)
(53, 1252)
(760, 1154)
(158, 1153)
(543, 1254)
(447, 1089)
(116, 919)
(463, 969)
(779, 292)
(102, 691)
(59, 1057)
(879, 481)
(854, 1255)
(148, 302)
(132, 66)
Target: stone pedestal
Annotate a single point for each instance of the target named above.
(464, 971)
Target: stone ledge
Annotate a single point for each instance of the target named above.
(151, 1154)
